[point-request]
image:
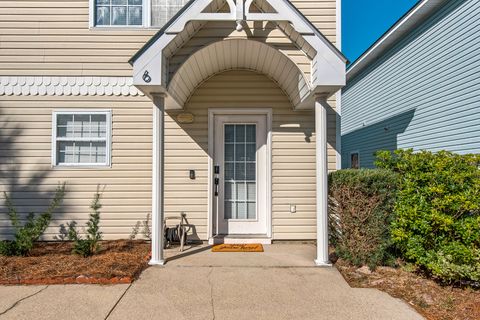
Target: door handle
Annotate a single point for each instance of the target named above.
(217, 181)
(216, 171)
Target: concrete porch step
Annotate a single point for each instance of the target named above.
(240, 239)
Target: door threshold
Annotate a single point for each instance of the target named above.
(240, 239)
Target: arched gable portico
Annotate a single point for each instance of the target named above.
(171, 90)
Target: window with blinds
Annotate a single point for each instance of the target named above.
(119, 12)
(81, 138)
(164, 10)
(131, 13)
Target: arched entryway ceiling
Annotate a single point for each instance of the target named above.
(151, 62)
(235, 54)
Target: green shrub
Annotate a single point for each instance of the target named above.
(28, 233)
(360, 207)
(437, 213)
(90, 245)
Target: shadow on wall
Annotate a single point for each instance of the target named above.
(288, 126)
(381, 135)
(23, 182)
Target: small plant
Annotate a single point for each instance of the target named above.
(146, 232)
(90, 245)
(28, 233)
(134, 233)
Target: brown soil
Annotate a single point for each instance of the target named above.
(116, 259)
(433, 301)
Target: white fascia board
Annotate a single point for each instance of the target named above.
(329, 68)
(152, 61)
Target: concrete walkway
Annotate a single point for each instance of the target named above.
(281, 283)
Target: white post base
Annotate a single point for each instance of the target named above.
(323, 264)
(156, 262)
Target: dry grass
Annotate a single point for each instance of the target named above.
(433, 301)
(120, 258)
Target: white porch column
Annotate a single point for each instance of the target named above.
(157, 179)
(322, 182)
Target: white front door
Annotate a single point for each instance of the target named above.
(240, 174)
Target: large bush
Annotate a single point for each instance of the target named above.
(437, 212)
(360, 205)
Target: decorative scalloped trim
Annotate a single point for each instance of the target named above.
(67, 86)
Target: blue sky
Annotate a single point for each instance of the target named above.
(364, 21)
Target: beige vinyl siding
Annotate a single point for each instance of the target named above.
(322, 13)
(293, 157)
(25, 163)
(51, 37)
(40, 37)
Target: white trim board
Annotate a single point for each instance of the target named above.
(338, 95)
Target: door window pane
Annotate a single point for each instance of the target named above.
(250, 151)
(229, 172)
(251, 191)
(240, 133)
(229, 191)
(229, 149)
(241, 210)
(250, 134)
(240, 171)
(229, 209)
(241, 191)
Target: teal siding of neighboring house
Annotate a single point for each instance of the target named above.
(423, 93)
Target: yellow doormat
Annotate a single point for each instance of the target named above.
(250, 247)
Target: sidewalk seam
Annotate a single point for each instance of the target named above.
(118, 301)
(211, 293)
(22, 299)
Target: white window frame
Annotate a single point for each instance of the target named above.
(146, 19)
(108, 138)
(358, 157)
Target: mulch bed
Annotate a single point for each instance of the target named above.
(119, 261)
(432, 300)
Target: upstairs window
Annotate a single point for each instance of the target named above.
(118, 12)
(81, 138)
(133, 13)
(164, 10)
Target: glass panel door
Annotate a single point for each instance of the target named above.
(240, 171)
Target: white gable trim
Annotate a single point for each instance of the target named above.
(328, 64)
(67, 86)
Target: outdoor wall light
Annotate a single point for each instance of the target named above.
(192, 174)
